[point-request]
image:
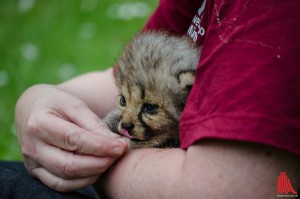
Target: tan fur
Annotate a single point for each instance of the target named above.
(155, 70)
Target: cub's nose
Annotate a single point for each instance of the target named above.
(127, 126)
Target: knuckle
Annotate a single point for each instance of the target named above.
(28, 153)
(72, 140)
(101, 147)
(33, 124)
(59, 185)
(70, 170)
(28, 149)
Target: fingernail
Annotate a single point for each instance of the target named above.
(117, 150)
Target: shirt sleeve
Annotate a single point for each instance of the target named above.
(173, 16)
(248, 80)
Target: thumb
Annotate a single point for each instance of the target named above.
(81, 115)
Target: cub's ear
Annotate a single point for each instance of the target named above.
(186, 79)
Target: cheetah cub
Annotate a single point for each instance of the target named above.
(154, 76)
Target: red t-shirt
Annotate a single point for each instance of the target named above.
(247, 84)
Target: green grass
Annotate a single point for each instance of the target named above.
(51, 41)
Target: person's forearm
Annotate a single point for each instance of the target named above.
(143, 173)
(209, 170)
(96, 89)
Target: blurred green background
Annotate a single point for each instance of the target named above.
(51, 41)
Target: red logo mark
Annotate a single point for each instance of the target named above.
(284, 187)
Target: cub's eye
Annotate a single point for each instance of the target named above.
(149, 108)
(122, 100)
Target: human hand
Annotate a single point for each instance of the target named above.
(64, 144)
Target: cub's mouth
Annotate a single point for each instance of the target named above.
(125, 133)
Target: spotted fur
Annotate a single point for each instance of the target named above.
(155, 74)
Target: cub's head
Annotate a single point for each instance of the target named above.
(155, 75)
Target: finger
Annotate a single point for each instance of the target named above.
(70, 137)
(69, 165)
(80, 114)
(60, 184)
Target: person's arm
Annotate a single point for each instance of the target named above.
(63, 140)
(210, 169)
